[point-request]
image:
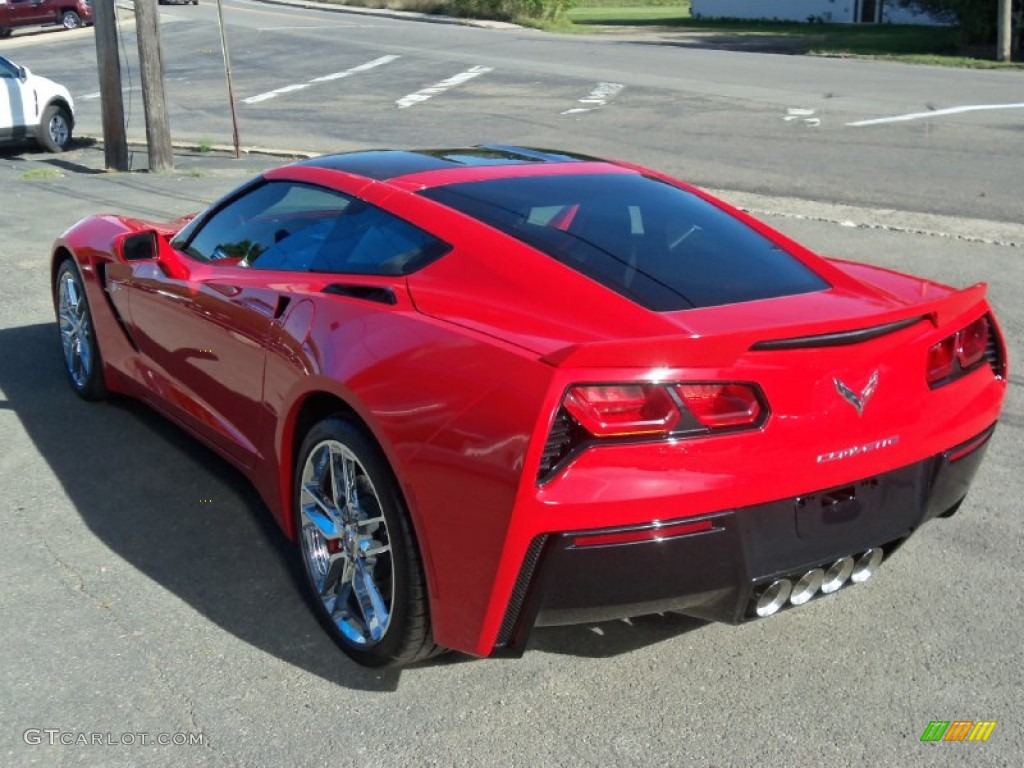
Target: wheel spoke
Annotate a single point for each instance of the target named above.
(348, 468)
(312, 490)
(371, 605)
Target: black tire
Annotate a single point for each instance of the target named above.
(394, 577)
(5, 32)
(82, 362)
(55, 128)
(70, 20)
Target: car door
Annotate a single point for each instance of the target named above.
(200, 317)
(12, 102)
(24, 12)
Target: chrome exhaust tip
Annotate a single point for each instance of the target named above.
(807, 586)
(773, 597)
(866, 565)
(836, 575)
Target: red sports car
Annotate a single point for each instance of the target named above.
(495, 388)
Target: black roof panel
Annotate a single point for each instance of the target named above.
(382, 164)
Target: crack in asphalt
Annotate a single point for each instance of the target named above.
(77, 581)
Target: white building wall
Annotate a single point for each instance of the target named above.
(833, 11)
(829, 11)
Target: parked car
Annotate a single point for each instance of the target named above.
(70, 14)
(494, 388)
(33, 107)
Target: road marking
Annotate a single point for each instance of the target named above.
(802, 114)
(598, 97)
(323, 79)
(934, 113)
(97, 94)
(441, 87)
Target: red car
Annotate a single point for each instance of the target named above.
(495, 388)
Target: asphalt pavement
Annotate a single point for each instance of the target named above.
(148, 598)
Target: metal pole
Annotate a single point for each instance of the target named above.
(227, 75)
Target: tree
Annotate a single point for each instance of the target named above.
(978, 19)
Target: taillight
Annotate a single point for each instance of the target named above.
(720, 406)
(623, 410)
(973, 339)
(592, 413)
(960, 353)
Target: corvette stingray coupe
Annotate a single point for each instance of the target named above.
(495, 388)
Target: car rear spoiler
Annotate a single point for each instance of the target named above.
(720, 350)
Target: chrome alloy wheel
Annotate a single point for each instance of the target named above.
(75, 331)
(345, 543)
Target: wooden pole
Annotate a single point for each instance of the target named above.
(1004, 47)
(115, 143)
(151, 67)
(227, 76)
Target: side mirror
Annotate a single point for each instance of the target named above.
(23, 73)
(141, 246)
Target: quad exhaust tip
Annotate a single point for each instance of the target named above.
(807, 586)
(866, 565)
(837, 575)
(853, 569)
(773, 598)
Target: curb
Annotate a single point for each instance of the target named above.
(187, 146)
(387, 13)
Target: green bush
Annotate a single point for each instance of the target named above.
(511, 9)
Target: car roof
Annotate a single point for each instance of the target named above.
(391, 164)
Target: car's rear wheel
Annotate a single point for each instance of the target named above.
(5, 32)
(77, 336)
(357, 548)
(56, 128)
(70, 20)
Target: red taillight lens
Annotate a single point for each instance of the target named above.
(719, 406)
(973, 340)
(941, 359)
(622, 410)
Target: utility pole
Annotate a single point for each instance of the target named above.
(151, 61)
(115, 144)
(1004, 47)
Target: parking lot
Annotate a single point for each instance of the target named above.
(152, 613)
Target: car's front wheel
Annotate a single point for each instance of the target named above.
(55, 128)
(82, 362)
(358, 551)
(70, 20)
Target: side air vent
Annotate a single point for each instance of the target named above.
(994, 351)
(376, 293)
(506, 634)
(566, 434)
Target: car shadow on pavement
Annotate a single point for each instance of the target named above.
(193, 524)
(171, 509)
(612, 638)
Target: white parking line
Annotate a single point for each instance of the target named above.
(934, 113)
(441, 87)
(598, 97)
(323, 79)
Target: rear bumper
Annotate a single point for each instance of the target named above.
(714, 567)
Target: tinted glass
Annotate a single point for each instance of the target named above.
(654, 243)
(303, 228)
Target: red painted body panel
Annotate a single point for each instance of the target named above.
(460, 378)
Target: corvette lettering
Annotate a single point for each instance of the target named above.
(857, 450)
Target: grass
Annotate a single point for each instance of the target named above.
(204, 145)
(923, 45)
(36, 174)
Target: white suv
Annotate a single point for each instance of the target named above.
(34, 107)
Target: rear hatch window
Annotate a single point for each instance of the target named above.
(658, 245)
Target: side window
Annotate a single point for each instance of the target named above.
(282, 222)
(302, 228)
(368, 241)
